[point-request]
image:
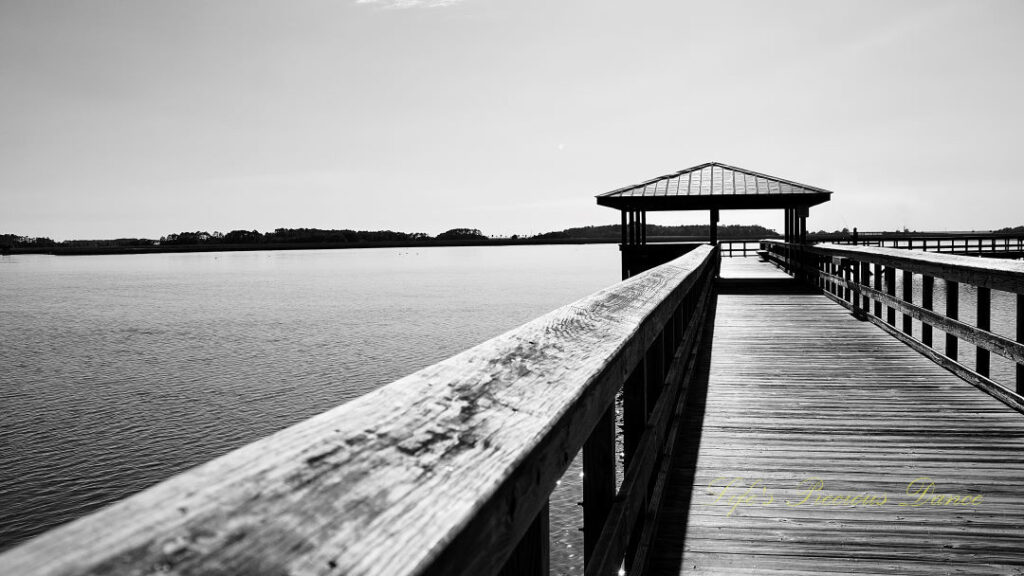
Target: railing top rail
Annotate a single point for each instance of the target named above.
(914, 235)
(993, 273)
(439, 472)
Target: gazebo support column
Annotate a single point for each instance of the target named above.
(801, 226)
(713, 230)
(643, 227)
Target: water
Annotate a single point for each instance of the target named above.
(119, 371)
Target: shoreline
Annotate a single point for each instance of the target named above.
(159, 249)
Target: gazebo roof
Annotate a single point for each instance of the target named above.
(714, 185)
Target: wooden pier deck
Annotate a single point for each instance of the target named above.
(800, 392)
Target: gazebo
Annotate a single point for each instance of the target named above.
(712, 187)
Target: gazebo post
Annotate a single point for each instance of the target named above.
(714, 226)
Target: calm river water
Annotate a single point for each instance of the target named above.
(119, 371)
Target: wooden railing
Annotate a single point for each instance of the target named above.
(738, 248)
(1011, 244)
(446, 471)
(864, 280)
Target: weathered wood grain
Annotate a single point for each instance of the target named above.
(797, 387)
(997, 274)
(441, 472)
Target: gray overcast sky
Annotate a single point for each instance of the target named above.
(141, 118)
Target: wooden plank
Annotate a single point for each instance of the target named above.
(443, 471)
(994, 389)
(796, 387)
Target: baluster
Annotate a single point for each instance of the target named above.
(655, 372)
(532, 556)
(981, 365)
(952, 312)
(844, 272)
(890, 289)
(634, 411)
(1020, 339)
(598, 480)
(908, 297)
(855, 268)
(878, 287)
(865, 273)
(927, 289)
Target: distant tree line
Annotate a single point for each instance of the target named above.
(611, 232)
(314, 235)
(9, 241)
(1014, 230)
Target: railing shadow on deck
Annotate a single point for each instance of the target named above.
(863, 279)
(446, 471)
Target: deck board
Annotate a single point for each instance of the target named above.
(796, 389)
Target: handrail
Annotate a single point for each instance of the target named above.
(992, 243)
(864, 280)
(738, 248)
(445, 471)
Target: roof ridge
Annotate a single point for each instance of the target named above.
(698, 167)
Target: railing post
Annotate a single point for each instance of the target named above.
(865, 273)
(890, 289)
(634, 411)
(953, 313)
(532, 556)
(927, 289)
(845, 268)
(981, 364)
(635, 407)
(598, 480)
(1020, 338)
(655, 372)
(857, 312)
(908, 297)
(878, 287)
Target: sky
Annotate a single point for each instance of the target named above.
(143, 118)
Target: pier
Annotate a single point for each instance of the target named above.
(784, 413)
